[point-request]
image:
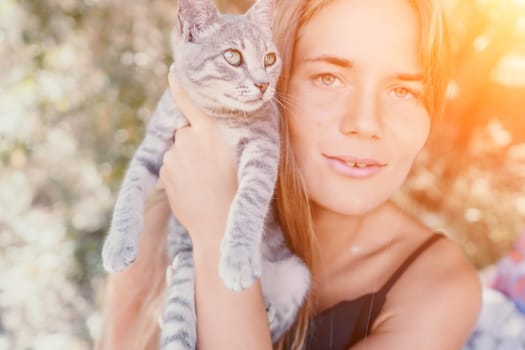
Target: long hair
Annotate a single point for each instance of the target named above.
(292, 201)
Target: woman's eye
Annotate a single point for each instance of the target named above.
(327, 79)
(270, 59)
(405, 93)
(233, 57)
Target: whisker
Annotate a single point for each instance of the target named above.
(287, 97)
(280, 103)
(288, 101)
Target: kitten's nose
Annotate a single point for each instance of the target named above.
(262, 86)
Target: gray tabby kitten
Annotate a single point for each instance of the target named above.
(229, 66)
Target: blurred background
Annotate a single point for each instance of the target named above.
(78, 82)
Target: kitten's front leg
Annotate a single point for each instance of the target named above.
(120, 246)
(240, 263)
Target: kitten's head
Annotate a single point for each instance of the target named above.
(225, 61)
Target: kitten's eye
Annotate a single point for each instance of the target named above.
(270, 59)
(233, 57)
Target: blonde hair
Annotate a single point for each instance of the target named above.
(292, 201)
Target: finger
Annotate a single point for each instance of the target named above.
(196, 116)
(165, 182)
(178, 132)
(163, 177)
(159, 185)
(166, 177)
(164, 166)
(181, 138)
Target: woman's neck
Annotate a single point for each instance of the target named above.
(340, 236)
(335, 233)
(331, 226)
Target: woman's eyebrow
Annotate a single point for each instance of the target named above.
(417, 77)
(337, 61)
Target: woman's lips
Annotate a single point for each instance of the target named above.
(354, 167)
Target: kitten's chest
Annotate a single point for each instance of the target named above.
(235, 137)
(258, 137)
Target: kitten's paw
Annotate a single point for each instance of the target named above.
(118, 252)
(239, 267)
(120, 246)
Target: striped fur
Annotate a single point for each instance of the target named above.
(253, 245)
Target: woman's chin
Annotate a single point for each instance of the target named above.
(345, 206)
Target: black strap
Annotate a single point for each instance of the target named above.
(413, 256)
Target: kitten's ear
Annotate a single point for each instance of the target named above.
(261, 13)
(194, 16)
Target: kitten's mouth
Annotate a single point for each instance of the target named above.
(248, 101)
(255, 100)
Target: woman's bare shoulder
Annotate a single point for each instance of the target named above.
(439, 293)
(441, 268)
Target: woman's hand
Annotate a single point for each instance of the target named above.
(199, 173)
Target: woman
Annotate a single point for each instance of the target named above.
(362, 80)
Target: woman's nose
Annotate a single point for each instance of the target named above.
(362, 116)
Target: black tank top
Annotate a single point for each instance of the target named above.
(344, 324)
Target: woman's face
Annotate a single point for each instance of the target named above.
(356, 114)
